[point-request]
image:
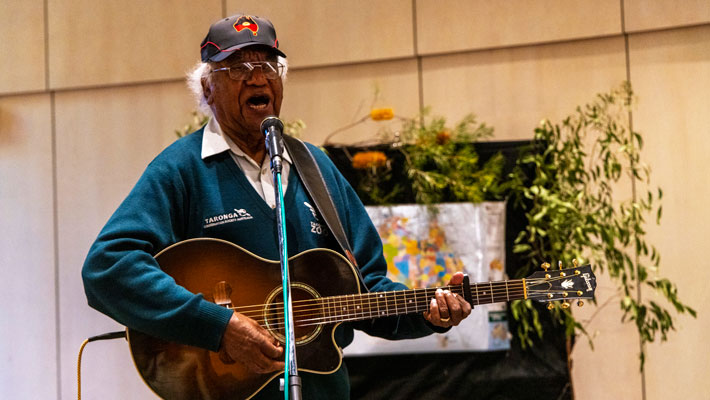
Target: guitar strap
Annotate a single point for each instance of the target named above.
(312, 179)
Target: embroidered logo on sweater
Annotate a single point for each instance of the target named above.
(316, 226)
(238, 215)
(313, 210)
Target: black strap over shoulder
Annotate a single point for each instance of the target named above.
(312, 179)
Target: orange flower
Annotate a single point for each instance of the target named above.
(443, 137)
(381, 114)
(367, 159)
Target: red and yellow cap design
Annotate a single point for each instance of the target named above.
(246, 22)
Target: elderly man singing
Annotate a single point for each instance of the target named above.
(216, 183)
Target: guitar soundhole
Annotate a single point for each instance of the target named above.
(307, 313)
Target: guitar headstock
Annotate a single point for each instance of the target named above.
(568, 284)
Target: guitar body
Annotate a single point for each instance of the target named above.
(325, 291)
(176, 371)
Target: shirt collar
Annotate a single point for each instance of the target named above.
(214, 141)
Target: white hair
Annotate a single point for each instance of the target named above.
(201, 71)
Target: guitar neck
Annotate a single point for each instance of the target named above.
(383, 304)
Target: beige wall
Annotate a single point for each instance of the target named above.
(92, 91)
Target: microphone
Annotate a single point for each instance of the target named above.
(272, 127)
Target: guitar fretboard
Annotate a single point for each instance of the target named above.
(383, 304)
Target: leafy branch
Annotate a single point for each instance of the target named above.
(572, 211)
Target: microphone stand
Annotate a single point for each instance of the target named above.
(272, 127)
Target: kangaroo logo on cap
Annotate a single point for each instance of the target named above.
(246, 22)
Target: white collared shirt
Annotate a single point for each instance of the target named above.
(214, 141)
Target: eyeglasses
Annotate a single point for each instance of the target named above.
(243, 71)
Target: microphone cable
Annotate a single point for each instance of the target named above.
(105, 336)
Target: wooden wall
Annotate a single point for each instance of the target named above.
(91, 91)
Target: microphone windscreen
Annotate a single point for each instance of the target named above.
(271, 121)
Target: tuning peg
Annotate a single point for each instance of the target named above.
(575, 262)
(580, 303)
(559, 264)
(545, 266)
(550, 306)
(565, 305)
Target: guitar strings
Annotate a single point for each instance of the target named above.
(496, 290)
(401, 299)
(354, 314)
(350, 297)
(320, 319)
(371, 301)
(367, 300)
(317, 311)
(398, 296)
(425, 291)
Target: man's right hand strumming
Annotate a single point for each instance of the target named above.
(250, 344)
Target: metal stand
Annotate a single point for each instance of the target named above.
(292, 382)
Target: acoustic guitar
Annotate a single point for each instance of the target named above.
(325, 292)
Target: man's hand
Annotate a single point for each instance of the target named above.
(250, 344)
(448, 309)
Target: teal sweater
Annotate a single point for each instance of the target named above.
(181, 196)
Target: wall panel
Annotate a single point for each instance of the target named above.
(22, 46)
(329, 98)
(27, 293)
(513, 89)
(105, 138)
(644, 15)
(102, 42)
(609, 370)
(452, 25)
(670, 71)
(314, 32)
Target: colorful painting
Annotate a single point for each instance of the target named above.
(417, 262)
(424, 246)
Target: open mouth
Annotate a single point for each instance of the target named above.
(258, 102)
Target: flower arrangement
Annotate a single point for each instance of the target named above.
(563, 184)
(439, 162)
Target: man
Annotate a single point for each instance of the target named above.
(219, 170)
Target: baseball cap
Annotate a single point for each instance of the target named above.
(236, 32)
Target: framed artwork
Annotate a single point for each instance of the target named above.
(424, 246)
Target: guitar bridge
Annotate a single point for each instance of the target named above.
(222, 294)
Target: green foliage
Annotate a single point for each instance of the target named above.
(440, 164)
(572, 211)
